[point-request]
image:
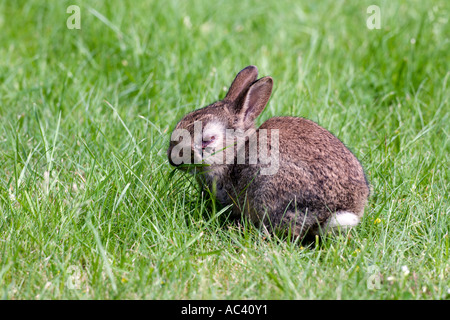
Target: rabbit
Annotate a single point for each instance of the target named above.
(318, 185)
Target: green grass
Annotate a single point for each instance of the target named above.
(87, 196)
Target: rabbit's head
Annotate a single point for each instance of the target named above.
(203, 136)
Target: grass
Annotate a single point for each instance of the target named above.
(91, 209)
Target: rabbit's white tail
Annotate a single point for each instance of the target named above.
(342, 219)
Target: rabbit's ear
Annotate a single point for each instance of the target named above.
(255, 101)
(241, 83)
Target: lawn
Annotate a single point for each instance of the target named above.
(91, 209)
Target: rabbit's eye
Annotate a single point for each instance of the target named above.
(208, 141)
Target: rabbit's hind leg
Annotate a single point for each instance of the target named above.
(295, 223)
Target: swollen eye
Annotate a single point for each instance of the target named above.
(207, 142)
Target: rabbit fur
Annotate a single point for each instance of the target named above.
(319, 184)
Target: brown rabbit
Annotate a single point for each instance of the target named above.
(305, 182)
